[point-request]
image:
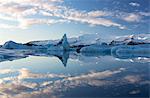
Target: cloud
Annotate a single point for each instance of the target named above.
(135, 91)
(97, 75)
(6, 26)
(132, 78)
(25, 73)
(98, 13)
(92, 18)
(18, 88)
(5, 71)
(144, 13)
(134, 4)
(50, 12)
(25, 13)
(132, 17)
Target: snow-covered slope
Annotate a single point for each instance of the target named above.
(89, 39)
(14, 45)
(132, 39)
(85, 39)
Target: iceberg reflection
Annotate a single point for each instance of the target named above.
(9, 55)
(28, 83)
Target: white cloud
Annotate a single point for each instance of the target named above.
(144, 13)
(134, 4)
(21, 10)
(5, 71)
(135, 91)
(132, 79)
(98, 13)
(6, 26)
(132, 17)
(92, 18)
(25, 73)
(19, 88)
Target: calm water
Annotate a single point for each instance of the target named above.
(74, 75)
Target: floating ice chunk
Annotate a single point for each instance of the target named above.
(97, 48)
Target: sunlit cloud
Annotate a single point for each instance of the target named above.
(134, 4)
(19, 88)
(53, 12)
(144, 13)
(132, 18)
(22, 10)
(6, 26)
(132, 78)
(25, 73)
(5, 71)
(134, 92)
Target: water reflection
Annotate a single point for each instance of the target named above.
(108, 78)
(20, 87)
(64, 55)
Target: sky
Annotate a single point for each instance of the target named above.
(27, 20)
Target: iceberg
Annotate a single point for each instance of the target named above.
(133, 45)
(62, 45)
(14, 45)
(132, 40)
(86, 39)
(96, 49)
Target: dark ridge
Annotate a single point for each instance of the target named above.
(30, 44)
(78, 48)
(135, 43)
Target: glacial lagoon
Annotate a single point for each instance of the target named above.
(74, 75)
